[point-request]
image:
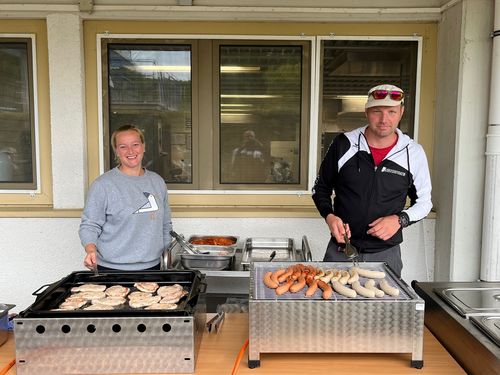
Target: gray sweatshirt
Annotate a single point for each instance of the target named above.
(128, 218)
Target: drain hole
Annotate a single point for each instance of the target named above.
(91, 328)
(66, 328)
(187, 359)
(166, 327)
(22, 361)
(40, 329)
(116, 328)
(141, 327)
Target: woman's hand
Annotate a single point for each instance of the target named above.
(337, 229)
(90, 260)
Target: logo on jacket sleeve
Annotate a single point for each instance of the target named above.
(149, 206)
(393, 171)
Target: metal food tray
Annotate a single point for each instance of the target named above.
(212, 258)
(470, 301)
(490, 325)
(260, 250)
(354, 325)
(233, 239)
(261, 292)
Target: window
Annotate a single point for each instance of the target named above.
(217, 114)
(350, 68)
(17, 125)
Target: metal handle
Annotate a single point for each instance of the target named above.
(184, 244)
(37, 292)
(307, 249)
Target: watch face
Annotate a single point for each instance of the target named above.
(403, 220)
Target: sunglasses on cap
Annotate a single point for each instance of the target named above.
(382, 94)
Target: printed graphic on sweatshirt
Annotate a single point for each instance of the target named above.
(393, 171)
(149, 206)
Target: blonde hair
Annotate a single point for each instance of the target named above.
(122, 129)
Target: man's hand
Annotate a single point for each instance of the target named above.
(384, 227)
(336, 226)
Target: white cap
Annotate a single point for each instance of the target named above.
(387, 101)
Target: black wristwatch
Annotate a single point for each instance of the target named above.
(404, 219)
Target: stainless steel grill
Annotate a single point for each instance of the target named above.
(292, 323)
(116, 341)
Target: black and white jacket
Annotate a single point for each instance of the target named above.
(365, 192)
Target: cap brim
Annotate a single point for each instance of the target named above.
(387, 102)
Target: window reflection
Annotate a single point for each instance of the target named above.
(150, 87)
(17, 162)
(260, 114)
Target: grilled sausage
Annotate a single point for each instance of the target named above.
(327, 289)
(269, 282)
(313, 286)
(328, 276)
(336, 275)
(341, 289)
(319, 274)
(277, 274)
(282, 289)
(354, 276)
(301, 283)
(363, 272)
(370, 284)
(344, 277)
(384, 285)
(361, 290)
(286, 275)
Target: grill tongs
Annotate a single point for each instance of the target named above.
(190, 249)
(350, 251)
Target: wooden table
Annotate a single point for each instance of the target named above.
(218, 353)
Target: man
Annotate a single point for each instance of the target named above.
(372, 170)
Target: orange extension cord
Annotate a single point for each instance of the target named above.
(7, 368)
(238, 359)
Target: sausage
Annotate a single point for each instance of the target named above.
(336, 275)
(301, 283)
(276, 274)
(297, 271)
(384, 285)
(328, 276)
(370, 284)
(319, 274)
(354, 276)
(286, 275)
(362, 291)
(313, 286)
(269, 282)
(327, 289)
(282, 289)
(344, 277)
(341, 289)
(363, 272)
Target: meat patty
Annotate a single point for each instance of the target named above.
(117, 291)
(89, 288)
(72, 305)
(98, 307)
(147, 287)
(169, 290)
(139, 295)
(110, 301)
(137, 303)
(161, 306)
(89, 296)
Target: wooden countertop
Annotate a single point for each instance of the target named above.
(218, 353)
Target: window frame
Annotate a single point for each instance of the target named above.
(308, 133)
(35, 186)
(319, 62)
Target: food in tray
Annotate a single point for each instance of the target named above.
(384, 285)
(147, 287)
(346, 283)
(98, 297)
(89, 288)
(213, 241)
(117, 291)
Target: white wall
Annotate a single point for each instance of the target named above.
(35, 251)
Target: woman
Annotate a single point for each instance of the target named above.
(126, 221)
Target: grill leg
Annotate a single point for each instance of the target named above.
(417, 364)
(253, 364)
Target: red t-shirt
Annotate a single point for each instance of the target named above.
(380, 153)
